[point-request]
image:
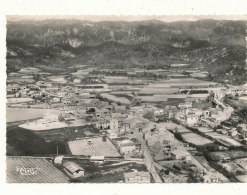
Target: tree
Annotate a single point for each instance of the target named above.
(149, 115)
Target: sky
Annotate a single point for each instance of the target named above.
(127, 18)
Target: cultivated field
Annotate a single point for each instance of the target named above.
(224, 139)
(158, 90)
(19, 100)
(236, 167)
(233, 154)
(153, 99)
(199, 75)
(113, 98)
(125, 87)
(20, 114)
(204, 129)
(195, 139)
(43, 126)
(188, 81)
(176, 128)
(59, 79)
(123, 80)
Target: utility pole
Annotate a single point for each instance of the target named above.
(57, 150)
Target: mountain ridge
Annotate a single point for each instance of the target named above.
(208, 42)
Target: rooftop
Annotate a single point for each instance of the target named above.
(94, 146)
(72, 167)
(33, 170)
(181, 152)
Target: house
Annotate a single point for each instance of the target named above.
(171, 111)
(73, 170)
(77, 81)
(128, 147)
(137, 177)
(97, 159)
(98, 111)
(61, 94)
(196, 111)
(225, 159)
(222, 131)
(102, 124)
(210, 177)
(91, 111)
(67, 117)
(13, 88)
(55, 100)
(114, 124)
(70, 109)
(168, 154)
(112, 134)
(158, 112)
(191, 120)
(242, 129)
(233, 132)
(124, 126)
(119, 114)
(206, 113)
(58, 160)
(208, 122)
(181, 155)
(185, 105)
(102, 113)
(43, 84)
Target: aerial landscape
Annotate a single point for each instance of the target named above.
(119, 101)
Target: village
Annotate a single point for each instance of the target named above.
(174, 126)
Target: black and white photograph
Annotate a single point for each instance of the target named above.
(126, 99)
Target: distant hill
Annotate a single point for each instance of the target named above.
(218, 45)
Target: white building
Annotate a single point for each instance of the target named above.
(55, 99)
(102, 124)
(191, 120)
(181, 155)
(126, 148)
(77, 81)
(73, 170)
(114, 124)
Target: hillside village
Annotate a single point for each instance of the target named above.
(134, 126)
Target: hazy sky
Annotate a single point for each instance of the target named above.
(129, 18)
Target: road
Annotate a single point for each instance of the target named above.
(150, 164)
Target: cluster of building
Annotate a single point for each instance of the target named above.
(214, 117)
(78, 98)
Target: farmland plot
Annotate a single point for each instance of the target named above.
(224, 139)
(195, 139)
